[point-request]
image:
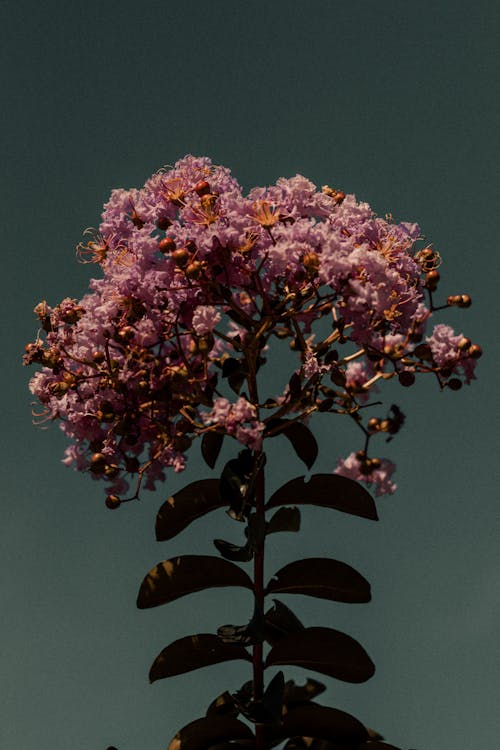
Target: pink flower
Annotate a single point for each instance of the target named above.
(379, 477)
(205, 318)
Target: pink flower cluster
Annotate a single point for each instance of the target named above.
(197, 278)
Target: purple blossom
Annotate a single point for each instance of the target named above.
(196, 280)
(379, 478)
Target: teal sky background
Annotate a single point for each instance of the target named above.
(395, 101)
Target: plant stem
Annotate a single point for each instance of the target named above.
(258, 662)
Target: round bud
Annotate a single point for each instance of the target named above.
(455, 384)
(406, 378)
(206, 343)
(202, 188)
(181, 257)
(98, 357)
(375, 463)
(113, 502)
(98, 463)
(453, 299)
(163, 223)
(385, 425)
(465, 301)
(464, 343)
(373, 424)
(194, 270)
(166, 245)
(475, 351)
(125, 334)
(111, 472)
(366, 467)
(432, 280)
(360, 455)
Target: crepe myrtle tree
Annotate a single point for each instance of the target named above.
(198, 282)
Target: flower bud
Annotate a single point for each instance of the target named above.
(459, 300)
(98, 463)
(464, 343)
(181, 257)
(166, 245)
(475, 351)
(98, 357)
(125, 334)
(373, 424)
(163, 223)
(113, 502)
(432, 280)
(455, 384)
(194, 270)
(202, 188)
(406, 378)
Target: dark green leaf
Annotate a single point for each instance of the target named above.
(211, 444)
(328, 491)
(285, 519)
(230, 366)
(235, 371)
(185, 506)
(279, 622)
(323, 578)
(324, 650)
(179, 576)
(203, 734)
(320, 722)
(233, 552)
(294, 385)
(302, 693)
(223, 705)
(302, 440)
(270, 708)
(194, 652)
(237, 483)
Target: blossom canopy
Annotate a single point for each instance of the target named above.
(197, 280)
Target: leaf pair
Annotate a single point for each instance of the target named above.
(325, 490)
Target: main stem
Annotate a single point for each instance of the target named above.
(258, 661)
(258, 582)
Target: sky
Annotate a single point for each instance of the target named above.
(396, 102)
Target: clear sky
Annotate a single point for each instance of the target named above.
(395, 101)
